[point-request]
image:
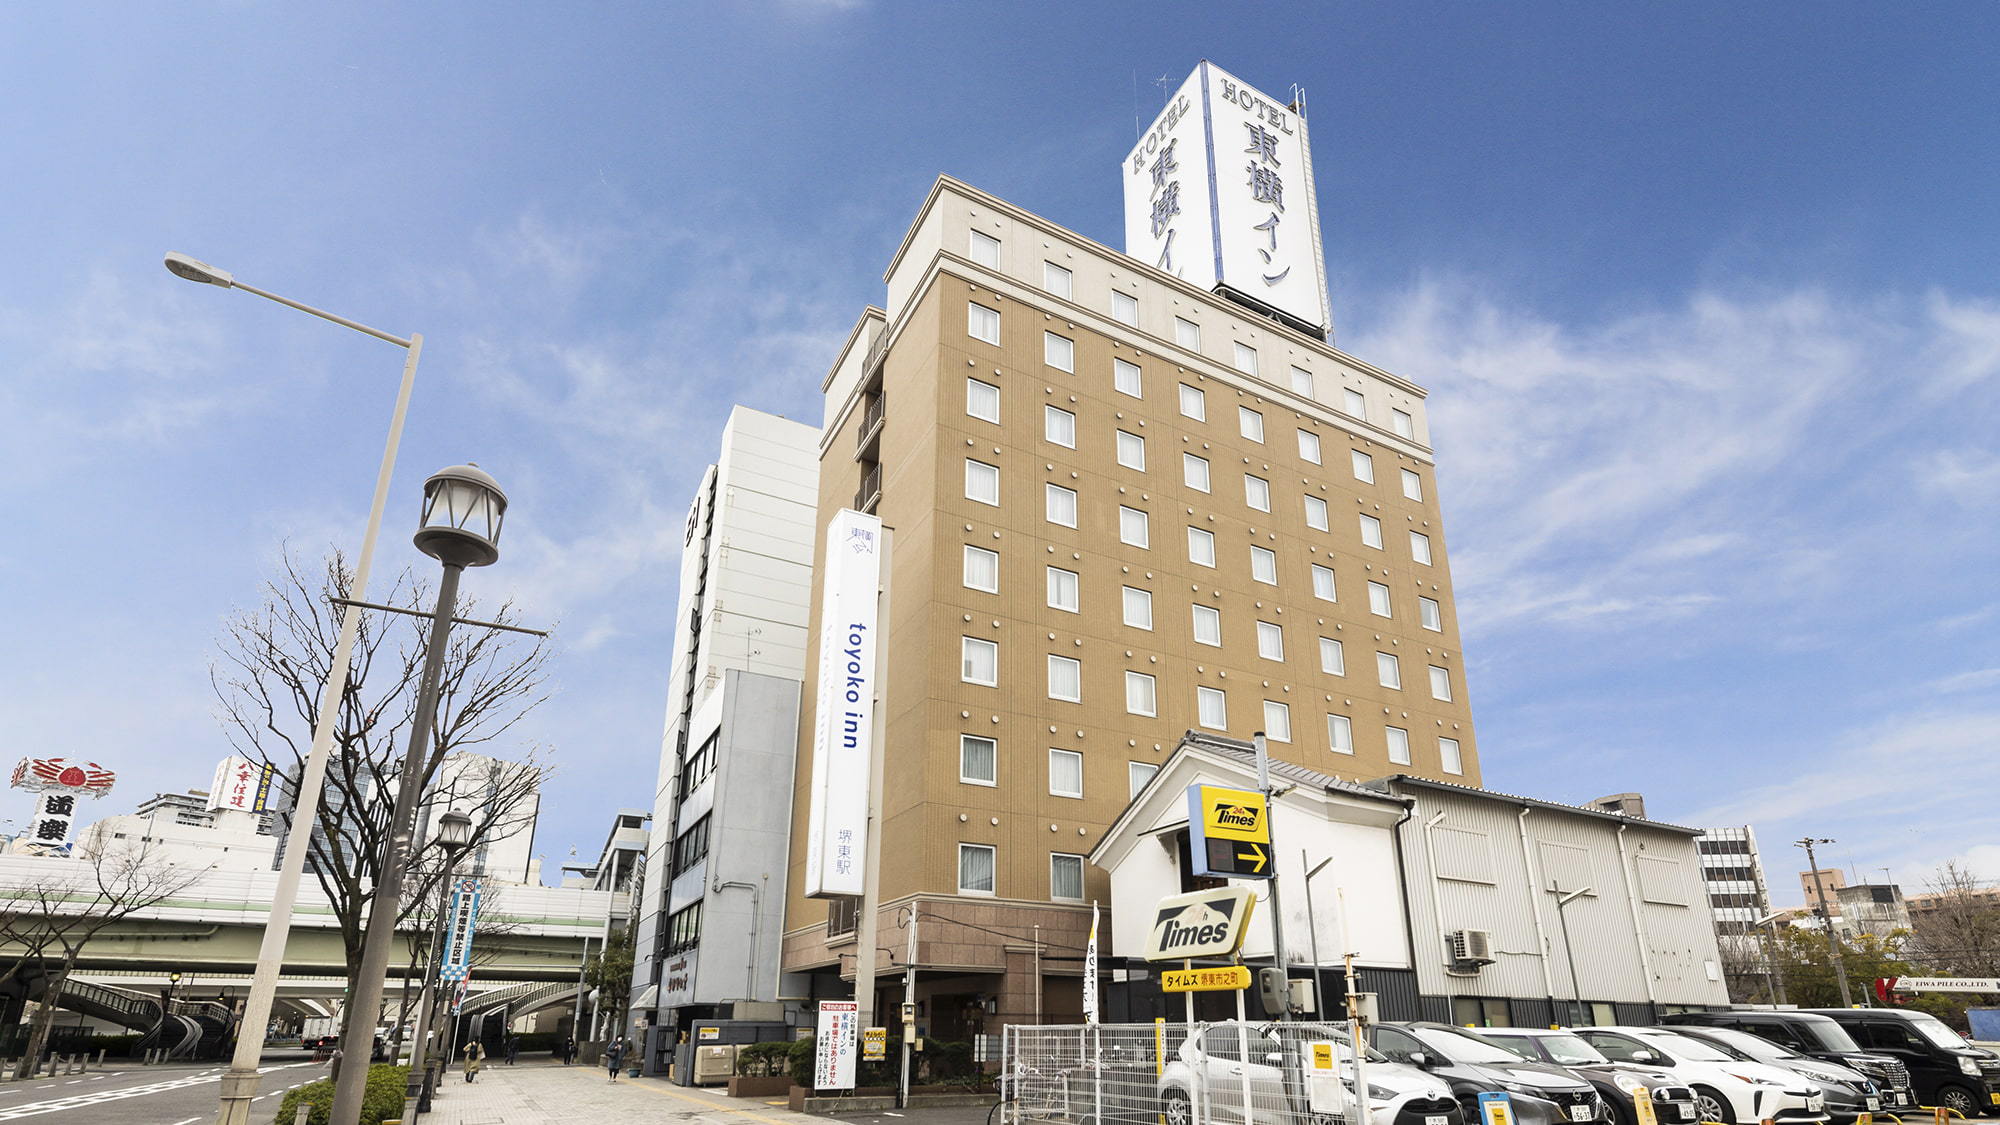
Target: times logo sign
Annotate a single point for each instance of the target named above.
(1203, 924)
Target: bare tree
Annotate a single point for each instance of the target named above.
(1957, 932)
(51, 909)
(273, 663)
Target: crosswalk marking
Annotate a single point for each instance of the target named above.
(98, 1097)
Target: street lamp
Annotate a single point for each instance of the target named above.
(1775, 971)
(239, 1084)
(460, 527)
(1569, 951)
(453, 835)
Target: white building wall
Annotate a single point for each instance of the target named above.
(230, 842)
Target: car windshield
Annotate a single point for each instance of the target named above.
(1571, 1051)
(1829, 1035)
(1295, 1034)
(1934, 1029)
(1755, 1046)
(1461, 1047)
(1694, 1050)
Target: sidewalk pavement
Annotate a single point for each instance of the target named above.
(552, 1094)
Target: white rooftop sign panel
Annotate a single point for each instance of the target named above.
(1219, 191)
(844, 714)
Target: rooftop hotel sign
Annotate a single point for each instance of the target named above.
(1219, 192)
(844, 707)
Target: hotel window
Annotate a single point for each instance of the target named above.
(982, 482)
(1211, 708)
(1194, 471)
(982, 400)
(1316, 513)
(1139, 697)
(1339, 734)
(1065, 679)
(1399, 745)
(984, 249)
(1125, 378)
(1257, 492)
(1277, 721)
(1137, 774)
(1065, 773)
(1429, 616)
(1249, 423)
(1309, 446)
(1201, 547)
(1207, 625)
(1062, 589)
(1059, 426)
(1270, 641)
(1323, 582)
(1059, 352)
(1420, 547)
(1194, 404)
(1388, 672)
(1138, 608)
(982, 570)
(1060, 504)
(975, 869)
(1378, 599)
(1124, 308)
(1302, 382)
(978, 760)
(979, 661)
(1449, 756)
(1131, 451)
(1353, 404)
(1402, 423)
(1413, 485)
(1332, 657)
(982, 323)
(1132, 529)
(1187, 334)
(1065, 877)
(1056, 280)
(1371, 532)
(1246, 359)
(1364, 467)
(1264, 565)
(1440, 683)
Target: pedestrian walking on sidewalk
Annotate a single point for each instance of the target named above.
(474, 1053)
(511, 1048)
(614, 1054)
(568, 1049)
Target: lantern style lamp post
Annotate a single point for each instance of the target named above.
(454, 834)
(463, 509)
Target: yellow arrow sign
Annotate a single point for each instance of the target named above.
(1257, 856)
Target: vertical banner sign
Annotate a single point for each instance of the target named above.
(1090, 970)
(1219, 192)
(844, 706)
(459, 926)
(833, 1046)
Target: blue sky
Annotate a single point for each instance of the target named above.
(1704, 294)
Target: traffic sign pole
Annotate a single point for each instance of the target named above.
(1277, 909)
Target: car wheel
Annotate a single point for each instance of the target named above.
(1712, 1106)
(1176, 1109)
(1960, 1099)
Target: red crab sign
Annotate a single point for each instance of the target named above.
(63, 775)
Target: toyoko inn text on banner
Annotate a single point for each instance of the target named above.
(1219, 192)
(844, 709)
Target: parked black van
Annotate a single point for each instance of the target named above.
(1945, 1069)
(1816, 1037)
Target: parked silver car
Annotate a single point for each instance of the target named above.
(1214, 1065)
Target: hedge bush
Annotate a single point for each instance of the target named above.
(760, 1059)
(383, 1100)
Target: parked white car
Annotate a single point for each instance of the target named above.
(1727, 1090)
(1212, 1066)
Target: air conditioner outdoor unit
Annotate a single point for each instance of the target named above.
(1472, 948)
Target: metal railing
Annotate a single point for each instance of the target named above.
(871, 489)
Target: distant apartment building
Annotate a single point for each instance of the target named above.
(711, 911)
(1827, 879)
(1877, 909)
(1732, 871)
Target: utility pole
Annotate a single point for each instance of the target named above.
(1277, 910)
(909, 1003)
(1825, 915)
(1364, 1112)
